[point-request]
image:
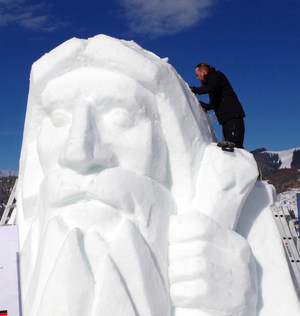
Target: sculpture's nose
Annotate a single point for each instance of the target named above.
(84, 150)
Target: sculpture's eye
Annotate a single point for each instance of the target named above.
(119, 117)
(60, 118)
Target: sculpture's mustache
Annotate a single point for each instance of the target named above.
(105, 186)
(116, 187)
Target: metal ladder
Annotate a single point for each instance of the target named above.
(7, 218)
(290, 241)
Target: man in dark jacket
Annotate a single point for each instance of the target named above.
(223, 101)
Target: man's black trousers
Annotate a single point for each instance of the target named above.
(234, 131)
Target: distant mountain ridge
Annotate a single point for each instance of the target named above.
(8, 173)
(289, 158)
(280, 168)
(270, 161)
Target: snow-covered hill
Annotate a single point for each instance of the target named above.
(286, 156)
(280, 168)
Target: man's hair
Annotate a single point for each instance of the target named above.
(205, 66)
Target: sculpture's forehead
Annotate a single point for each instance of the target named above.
(99, 52)
(103, 87)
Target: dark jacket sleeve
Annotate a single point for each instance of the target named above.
(201, 90)
(213, 83)
(206, 106)
(194, 89)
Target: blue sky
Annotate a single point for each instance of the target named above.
(255, 43)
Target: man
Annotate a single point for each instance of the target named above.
(223, 101)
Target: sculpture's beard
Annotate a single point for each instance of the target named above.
(103, 202)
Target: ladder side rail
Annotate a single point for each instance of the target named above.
(13, 217)
(9, 205)
(289, 238)
(5, 215)
(288, 245)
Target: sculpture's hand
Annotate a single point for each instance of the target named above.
(211, 268)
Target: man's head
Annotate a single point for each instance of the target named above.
(200, 73)
(202, 70)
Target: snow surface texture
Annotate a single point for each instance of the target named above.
(126, 206)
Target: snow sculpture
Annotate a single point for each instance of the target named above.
(126, 206)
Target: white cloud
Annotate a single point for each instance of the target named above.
(163, 17)
(24, 14)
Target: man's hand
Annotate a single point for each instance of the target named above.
(193, 89)
(203, 106)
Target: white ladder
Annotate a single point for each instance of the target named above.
(290, 241)
(7, 219)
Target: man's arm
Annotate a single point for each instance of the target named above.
(206, 106)
(201, 90)
(214, 82)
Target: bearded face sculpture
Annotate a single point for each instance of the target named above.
(111, 157)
